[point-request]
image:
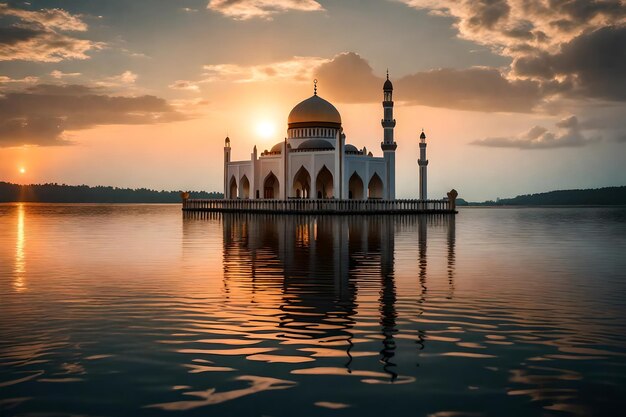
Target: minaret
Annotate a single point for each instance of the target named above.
(423, 164)
(388, 145)
(226, 161)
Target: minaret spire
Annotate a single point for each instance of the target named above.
(315, 87)
(388, 144)
(423, 164)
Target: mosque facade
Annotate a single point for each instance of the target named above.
(315, 162)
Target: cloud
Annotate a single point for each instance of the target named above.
(184, 85)
(125, 79)
(295, 69)
(8, 81)
(249, 9)
(49, 18)
(60, 74)
(37, 36)
(569, 134)
(350, 78)
(511, 27)
(478, 89)
(41, 114)
(572, 48)
(595, 63)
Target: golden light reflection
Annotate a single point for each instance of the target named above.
(303, 238)
(19, 284)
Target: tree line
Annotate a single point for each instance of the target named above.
(62, 193)
(607, 196)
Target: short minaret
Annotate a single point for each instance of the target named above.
(423, 164)
(226, 162)
(389, 145)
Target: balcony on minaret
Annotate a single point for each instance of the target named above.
(388, 123)
(388, 146)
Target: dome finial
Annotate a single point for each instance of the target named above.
(315, 87)
(387, 73)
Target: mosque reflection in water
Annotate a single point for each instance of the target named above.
(319, 265)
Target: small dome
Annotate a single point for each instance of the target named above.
(316, 145)
(277, 148)
(388, 86)
(314, 111)
(351, 149)
(423, 135)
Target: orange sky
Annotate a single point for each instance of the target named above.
(143, 95)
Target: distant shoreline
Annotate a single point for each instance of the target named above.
(62, 193)
(84, 194)
(606, 196)
(542, 206)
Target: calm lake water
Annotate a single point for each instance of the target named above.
(128, 310)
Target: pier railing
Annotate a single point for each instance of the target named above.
(320, 206)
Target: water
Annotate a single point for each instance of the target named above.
(128, 310)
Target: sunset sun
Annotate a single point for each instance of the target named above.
(22, 170)
(266, 129)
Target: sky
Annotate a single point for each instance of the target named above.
(515, 96)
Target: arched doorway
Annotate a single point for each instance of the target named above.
(355, 187)
(233, 188)
(270, 186)
(301, 184)
(375, 187)
(324, 183)
(245, 187)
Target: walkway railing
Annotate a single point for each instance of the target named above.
(321, 206)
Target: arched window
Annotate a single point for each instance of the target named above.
(301, 184)
(324, 183)
(271, 186)
(232, 193)
(355, 187)
(375, 187)
(245, 187)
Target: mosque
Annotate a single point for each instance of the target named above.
(315, 162)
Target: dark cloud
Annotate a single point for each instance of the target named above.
(569, 134)
(13, 34)
(41, 114)
(582, 11)
(487, 13)
(478, 89)
(572, 48)
(349, 78)
(595, 62)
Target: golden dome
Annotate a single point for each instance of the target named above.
(314, 111)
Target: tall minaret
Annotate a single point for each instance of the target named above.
(388, 145)
(423, 164)
(226, 161)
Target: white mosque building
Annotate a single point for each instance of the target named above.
(314, 161)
